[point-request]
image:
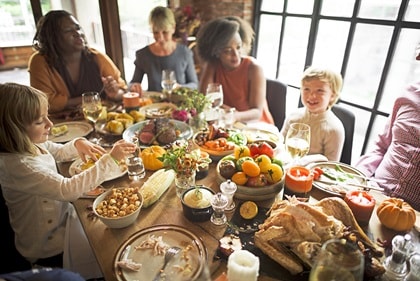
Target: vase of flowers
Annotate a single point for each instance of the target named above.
(187, 23)
(185, 159)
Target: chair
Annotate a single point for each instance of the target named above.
(276, 99)
(348, 119)
(11, 258)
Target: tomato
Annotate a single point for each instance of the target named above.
(266, 149)
(317, 172)
(263, 162)
(254, 150)
(274, 173)
(257, 181)
(241, 151)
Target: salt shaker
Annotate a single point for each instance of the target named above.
(396, 263)
(219, 203)
(414, 273)
(228, 188)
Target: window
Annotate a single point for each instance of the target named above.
(370, 42)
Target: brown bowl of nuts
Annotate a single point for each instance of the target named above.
(118, 207)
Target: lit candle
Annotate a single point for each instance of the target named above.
(362, 204)
(298, 182)
(243, 266)
(131, 101)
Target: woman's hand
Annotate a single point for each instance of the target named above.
(136, 87)
(111, 87)
(87, 149)
(122, 148)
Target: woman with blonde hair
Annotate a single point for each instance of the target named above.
(164, 53)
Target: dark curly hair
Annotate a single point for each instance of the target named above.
(47, 36)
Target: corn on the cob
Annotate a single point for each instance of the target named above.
(156, 185)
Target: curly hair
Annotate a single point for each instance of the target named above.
(214, 36)
(20, 106)
(245, 31)
(48, 34)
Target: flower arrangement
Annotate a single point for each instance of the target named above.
(191, 103)
(187, 22)
(183, 157)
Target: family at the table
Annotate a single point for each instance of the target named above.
(38, 196)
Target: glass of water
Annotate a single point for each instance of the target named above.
(135, 164)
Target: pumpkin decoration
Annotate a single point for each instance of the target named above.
(396, 214)
(150, 157)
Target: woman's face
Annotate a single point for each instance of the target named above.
(230, 55)
(316, 95)
(163, 36)
(72, 36)
(39, 129)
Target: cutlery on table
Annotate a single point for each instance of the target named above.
(350, 184)
(170, 253)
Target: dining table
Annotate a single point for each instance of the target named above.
(168, 211)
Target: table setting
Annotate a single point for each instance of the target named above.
(243, 188)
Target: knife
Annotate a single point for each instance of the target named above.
(350, 184)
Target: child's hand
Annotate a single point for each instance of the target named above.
(121, 149)
(87, 149)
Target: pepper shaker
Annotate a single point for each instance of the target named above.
(228, 188)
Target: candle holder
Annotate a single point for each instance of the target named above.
(219, 203)
(243, 266)
(361, 204)
(228, 188)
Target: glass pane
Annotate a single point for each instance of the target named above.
(135, 30)
(89, 17)
(366, 63)
(387, 9)
(300, 7)
(269, 38)
(378, 128)
(404, 68)
(292, 60)
(413, 11)
(342, 8)
(329, 50)
(274, 6)
(17, 25)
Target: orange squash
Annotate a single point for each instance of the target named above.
(150, 157)
(396, 214)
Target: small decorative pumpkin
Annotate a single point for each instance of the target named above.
(150, 157)
(396, 214)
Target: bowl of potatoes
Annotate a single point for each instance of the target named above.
(118, 207)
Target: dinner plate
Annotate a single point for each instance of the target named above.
(341, 188)
(187, 265)
(254, 135)
(76, 168)
(185, 130)
(156, 110)
(155, 96)
(75, 129)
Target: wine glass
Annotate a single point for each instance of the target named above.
(297, 142)
(214, 92)
(92, 109)
(168, 80)
(338, 259)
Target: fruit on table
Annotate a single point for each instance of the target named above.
(241, 151)
(150, 155)
(264, 162)
(261, 148)
(396, 214)
(257, 181)
(240, 178)
(274, 173)
(227, 168)
(242, 160)
(250, 168)
(248, 210)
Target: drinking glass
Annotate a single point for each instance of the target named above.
(135, 166)
(338, 260)
(214, 92)
(168, 80)
(297, 142)
(92, 109)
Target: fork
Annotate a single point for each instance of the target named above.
(170, 253)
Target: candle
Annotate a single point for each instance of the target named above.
(298, 182)
(362, 204)
(243, 266)
(131, 101)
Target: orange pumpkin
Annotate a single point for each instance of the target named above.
(150, 157)
(396, 214)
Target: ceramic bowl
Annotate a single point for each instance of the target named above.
(118, 221)
(254, 193)
(197, 212)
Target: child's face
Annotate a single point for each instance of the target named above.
(316, 95)
(39, 129)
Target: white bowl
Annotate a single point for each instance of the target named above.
(118, 221)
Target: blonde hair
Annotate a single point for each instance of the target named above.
(333, 78)
(20, 106)
(162, 18)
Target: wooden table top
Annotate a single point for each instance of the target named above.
(106, 242)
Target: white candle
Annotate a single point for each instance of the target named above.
(243, 266)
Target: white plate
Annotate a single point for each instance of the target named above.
(156, 110)
(339, 190)
(254, 135)
(186, 131)
(155, 96)
(173, 236)
(75, 168)
(75, 129)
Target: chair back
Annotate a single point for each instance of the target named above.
(348, 119)
(276, 99)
